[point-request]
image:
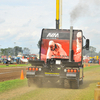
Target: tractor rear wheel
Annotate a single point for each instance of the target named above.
(66, 83)
(30, 82)
(75, 84)
(39, 82)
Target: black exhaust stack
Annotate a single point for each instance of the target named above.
(70, 48)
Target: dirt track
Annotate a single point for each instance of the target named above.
(11, 73)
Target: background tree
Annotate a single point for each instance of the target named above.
(14, 51)
(91, 52)
(17, 49)
(39, 42)
(26, 51)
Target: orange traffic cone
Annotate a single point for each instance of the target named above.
(84, 66)
(22, 75)
(89, 65)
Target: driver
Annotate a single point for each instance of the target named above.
(55, 50)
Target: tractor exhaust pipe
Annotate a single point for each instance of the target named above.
(70, 48)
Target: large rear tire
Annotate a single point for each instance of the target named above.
(39, 82)
(75, 84)
(81, 82)
(66, 84)
(30, 82)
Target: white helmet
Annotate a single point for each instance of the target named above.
(51, 43)
(79, 34)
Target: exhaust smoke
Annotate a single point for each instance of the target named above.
(83, 8)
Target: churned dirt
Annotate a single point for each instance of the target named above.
(11, 73)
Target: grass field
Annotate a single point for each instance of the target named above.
(12, 84)
(91, 67)
(13, 65)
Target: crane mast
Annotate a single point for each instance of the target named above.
(58, 14)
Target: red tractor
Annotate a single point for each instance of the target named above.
(60, 60)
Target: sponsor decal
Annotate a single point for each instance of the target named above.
(51, 74)
(53, 35)
(59, 56)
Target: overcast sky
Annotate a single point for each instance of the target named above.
(21, 21)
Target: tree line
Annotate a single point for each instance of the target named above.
(14, 51)
(91, 52)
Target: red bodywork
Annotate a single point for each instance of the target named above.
(65, 46)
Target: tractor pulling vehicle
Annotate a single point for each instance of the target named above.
(60, 60)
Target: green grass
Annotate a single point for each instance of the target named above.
(13, 65)
(11, 84)
(91, 67)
